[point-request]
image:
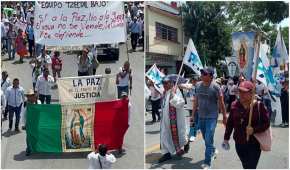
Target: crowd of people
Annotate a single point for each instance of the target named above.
(134, 14)
(17, 40)
(205, 97)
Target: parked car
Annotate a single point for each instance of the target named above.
(107, 52)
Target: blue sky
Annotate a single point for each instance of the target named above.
(285, 22)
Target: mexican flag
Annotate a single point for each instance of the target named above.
(76, 127)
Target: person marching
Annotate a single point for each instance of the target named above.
(248, 151)
(43, 85)
(208, 98)
(173, 134)
(123, 78)
(15, 98)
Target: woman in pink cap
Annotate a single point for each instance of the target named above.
(248, 151)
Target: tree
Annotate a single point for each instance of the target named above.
(205, 23)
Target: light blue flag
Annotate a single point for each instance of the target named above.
(191, 58)
(265, 75)
(155, 75)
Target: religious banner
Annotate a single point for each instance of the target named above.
(86, 89)
(232, 65)
(77, 127)
(244, 49)
(61, 23)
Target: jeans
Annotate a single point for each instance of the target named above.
(38, 49)
(122, 89)
(249, 155)
(155, 109)
(47, 98)
(134, 38)
(31, 47)
(17, 111)
(193, 130)
(10, 49)
(207, 128)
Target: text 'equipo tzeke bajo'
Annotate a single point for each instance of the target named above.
(88, 82)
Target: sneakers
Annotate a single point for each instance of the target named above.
(17, 130)
(205, 166)
(192, 139)
(164, 158)
(186, 147)
(214, 156)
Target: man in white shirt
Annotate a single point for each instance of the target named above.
(5, 83)
(43, 86)
(123, 79)
(101, 160)
(44, 59)
(15, 98)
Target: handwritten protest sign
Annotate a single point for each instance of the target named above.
(79, 23)
(86, 89)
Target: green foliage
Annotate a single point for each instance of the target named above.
(210, 24)
(205, 23)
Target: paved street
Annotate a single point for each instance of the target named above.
(13, 147)
(276, 159)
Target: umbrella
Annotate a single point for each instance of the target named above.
(173, 78)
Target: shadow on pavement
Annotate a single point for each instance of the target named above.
(118, 154)
(175, 163)
(153, 132)
(67, 155)
(151, 123)
(18, 62)
(9, 133)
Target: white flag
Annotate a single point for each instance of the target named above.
(155, 75)
(191, 58)
(280, 52)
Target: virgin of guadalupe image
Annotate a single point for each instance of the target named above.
(76, 129)
(242, 55)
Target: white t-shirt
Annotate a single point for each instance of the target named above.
(125, 80)
(155, 95)
(105, 161)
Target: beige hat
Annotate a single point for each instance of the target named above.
(30, 92)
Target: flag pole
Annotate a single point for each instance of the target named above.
(179, 74)
(254, 81)
(126, 42)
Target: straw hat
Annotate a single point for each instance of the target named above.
(30, 92)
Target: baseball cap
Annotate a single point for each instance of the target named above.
(207, 70)
(246, 86)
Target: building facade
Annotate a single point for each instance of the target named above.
(164, 35)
